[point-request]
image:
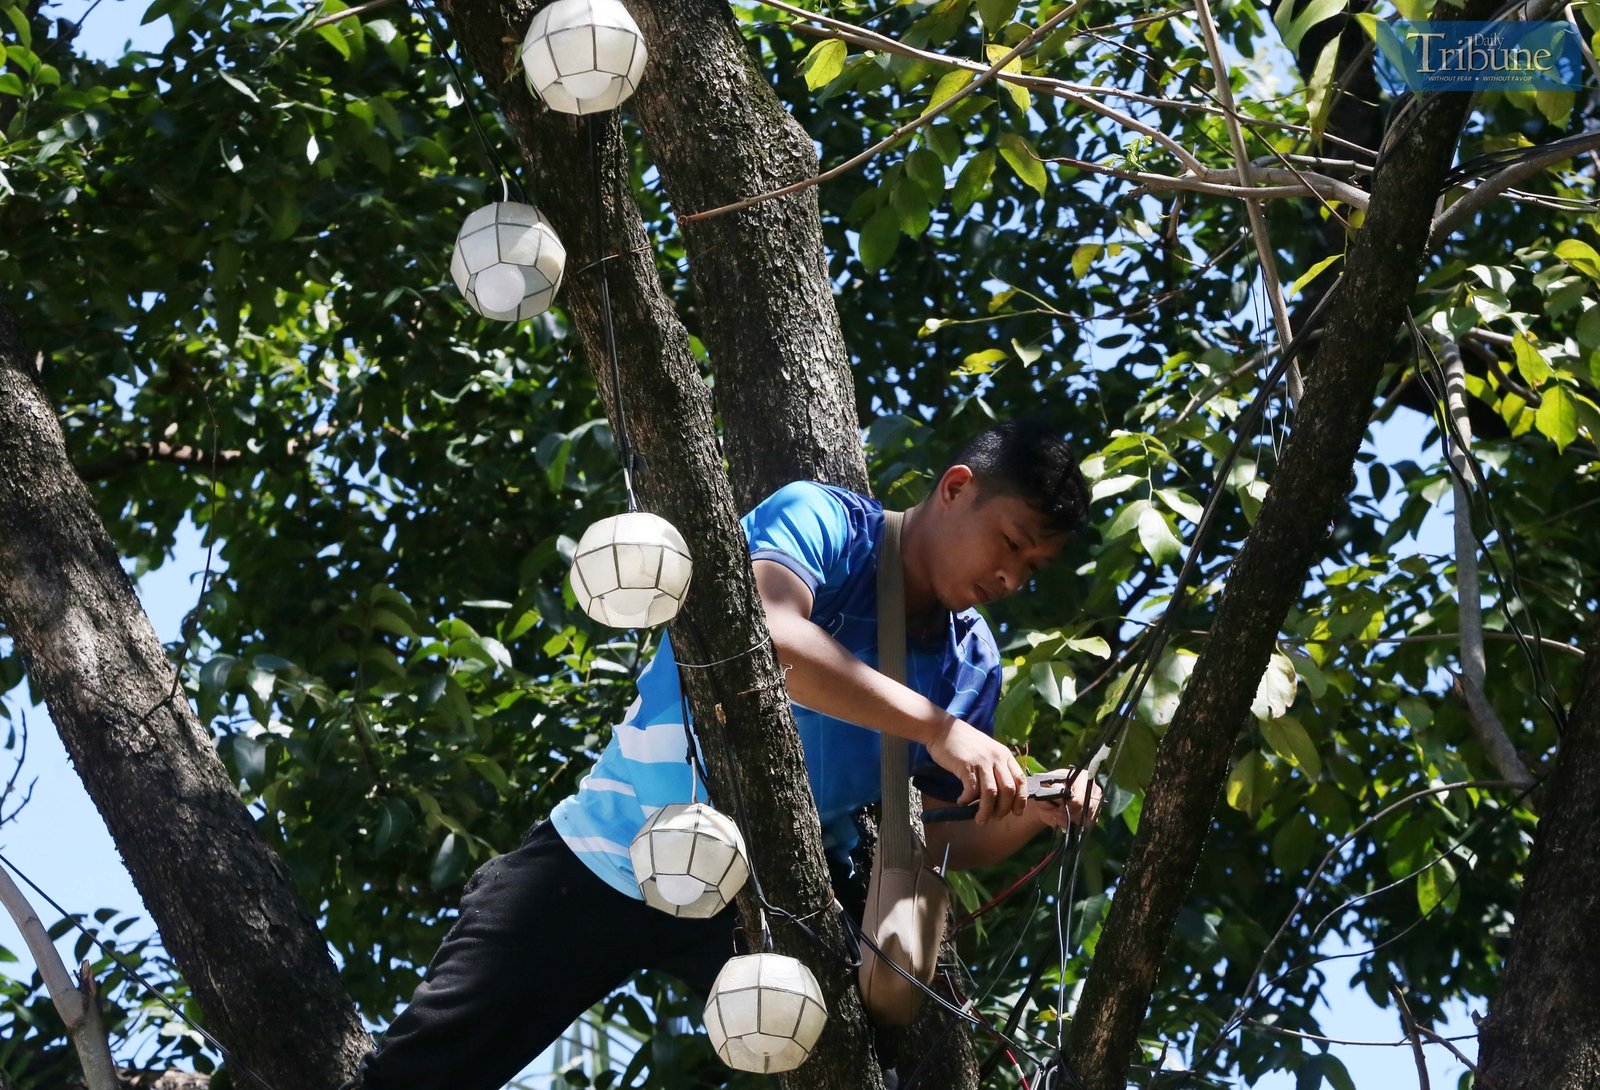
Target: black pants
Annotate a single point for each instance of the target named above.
(539, 941)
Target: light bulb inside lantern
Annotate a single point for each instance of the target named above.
(680, 889)
(765, 1013)
(500, 288)
(631, 570)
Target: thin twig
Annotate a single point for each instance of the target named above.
(1258, 220)
(1286, 1032)
(1412, 1035)
(1445, 223)
(1027, 43)
(350, 13)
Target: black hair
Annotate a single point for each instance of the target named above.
(1024, 457)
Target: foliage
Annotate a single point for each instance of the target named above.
(238, 245)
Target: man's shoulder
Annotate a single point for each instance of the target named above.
(819, 492)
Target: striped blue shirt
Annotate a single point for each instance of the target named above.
(829, 537)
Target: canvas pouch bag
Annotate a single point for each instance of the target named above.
(907, 901)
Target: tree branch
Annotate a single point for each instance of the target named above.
(1413, 1035)
(76, 1003)
(1258, 222)
(160, 450)
(1034, 36)
(1446, 222)
(1290, 533)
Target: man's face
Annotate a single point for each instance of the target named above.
(988, 545)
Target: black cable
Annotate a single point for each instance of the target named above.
(435, 35)
(228, 1057)
(624, 443)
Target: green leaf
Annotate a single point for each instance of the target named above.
(450, 863)
(1556, 105)
(996, 14)
(1091, 645)
(823, 63)
(1530, 361)
(926, 169)
(973, 181)
(1312, 273)
(1114, 486)
(879, 238)
(340, 43)
(911, 206)
(10, 83)
(1581, 256)
(1019, 94)
(1319, 97)
(1054, 683)
(1557, 417)
(1437, 887)
(948, 85)
(238, 85)
(981, 362)
(1014, 716)
(1157, 537)
(1245, 783)
(1295, 20)
(1276, 691)
(1016, 151)
(1294, 844)
(1290, 741)
(1181, 504)
(1083, 257)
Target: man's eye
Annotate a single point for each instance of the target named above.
(1012, 545)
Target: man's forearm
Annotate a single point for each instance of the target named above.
(973, 845)
(821, 674)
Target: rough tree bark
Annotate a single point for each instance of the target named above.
(1543, 1029)
(225, 904)
(718, 133)
(1313, 477)
(740, 707)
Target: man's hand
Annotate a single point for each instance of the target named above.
(1080, 808)
(989, 774)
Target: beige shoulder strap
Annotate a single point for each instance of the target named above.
(896, 839)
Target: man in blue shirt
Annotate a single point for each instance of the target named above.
(511, 977)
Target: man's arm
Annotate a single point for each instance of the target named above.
(823, 675)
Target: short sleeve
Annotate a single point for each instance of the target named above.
(802, 526)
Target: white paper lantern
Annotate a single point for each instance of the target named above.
(583, 56)
(689, 860)
(765, 1013)
(508, 261)
(631, 571)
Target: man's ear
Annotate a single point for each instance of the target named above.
(956, 480)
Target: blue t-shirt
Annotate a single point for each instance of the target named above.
(829, 537)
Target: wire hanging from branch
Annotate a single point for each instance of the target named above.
(601, 257)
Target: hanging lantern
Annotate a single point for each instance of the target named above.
(689, 860)
(508, 261)
(583, 56)
(631, 571)
(765, 1013)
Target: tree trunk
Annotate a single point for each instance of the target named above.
(1543, 1029)
(741, 708)
(225, 904)
(718, 134)
(1313, 477)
